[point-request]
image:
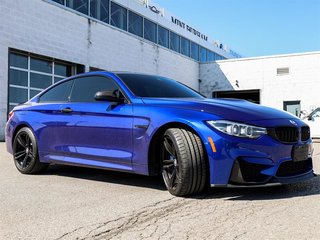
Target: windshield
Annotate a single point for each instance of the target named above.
(157, 87)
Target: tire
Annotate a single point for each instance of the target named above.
(25, 153)
(183, 162)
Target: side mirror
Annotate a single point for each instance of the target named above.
(107, 96)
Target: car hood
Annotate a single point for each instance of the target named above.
(228, 109)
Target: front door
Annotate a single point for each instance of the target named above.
(96, 133)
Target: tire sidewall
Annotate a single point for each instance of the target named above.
(174, 191)
(32, 164)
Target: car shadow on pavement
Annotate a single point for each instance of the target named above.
(307, 188)
(311, 187)
(114, 177)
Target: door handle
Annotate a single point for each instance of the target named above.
(66, 110)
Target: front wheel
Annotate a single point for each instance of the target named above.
(25, 152)
(184, 163)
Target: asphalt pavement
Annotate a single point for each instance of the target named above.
(79, 203)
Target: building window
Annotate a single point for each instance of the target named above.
(174, 42)
(118, 16)
(219, 57)
(126, 20)
(40, 65)
(195, 51)
(203, 54)
(60, 1)
(283, 71)
(135, 24)
(79, 5)
(185, 46)
(210, 56)
(30, 74)
(99, 9)
(95, 69)
(150, 31)
(163, 36)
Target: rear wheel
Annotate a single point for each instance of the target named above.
(184, 164)
(25, 152)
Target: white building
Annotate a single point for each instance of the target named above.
(290, 82)
(43, 41)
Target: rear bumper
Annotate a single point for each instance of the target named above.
(8, 137)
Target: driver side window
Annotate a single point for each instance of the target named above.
(85, 88)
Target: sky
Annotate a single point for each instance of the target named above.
(254, 27)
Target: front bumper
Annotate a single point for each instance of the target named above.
(256, 162)
(272, 183)
(248, 173)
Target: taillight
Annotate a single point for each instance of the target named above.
(10, 115)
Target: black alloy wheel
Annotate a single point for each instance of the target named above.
(25, 152)
(183, 162)
(170, 165)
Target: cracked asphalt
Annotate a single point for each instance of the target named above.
(79, 203)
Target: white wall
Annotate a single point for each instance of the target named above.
(302, 83)
(39, 27)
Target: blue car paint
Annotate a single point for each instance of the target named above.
(118, 138)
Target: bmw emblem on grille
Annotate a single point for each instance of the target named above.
(293, 122)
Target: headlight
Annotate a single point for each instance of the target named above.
(238, 129)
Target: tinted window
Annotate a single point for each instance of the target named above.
(18, 60)
(17, 77)
(33, 93)
(62, 70)
(195, 51)
(210, 56)
(135, 24)
(29, 74)
(185, 46)
(155, 86)
(150, 31)
(79, 5)
(118, 16)
(59, 1)
(163, 36)
(85, 88)
(174, 42)
(40, 81)
(203, 54)
(59, 93)
(219, 57)
(57, 79)
(40, 65)
(18, 95)
(99, 9)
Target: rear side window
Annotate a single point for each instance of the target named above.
(59, 93)
(85, 88)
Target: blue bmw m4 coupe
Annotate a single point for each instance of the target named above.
(152, 125)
